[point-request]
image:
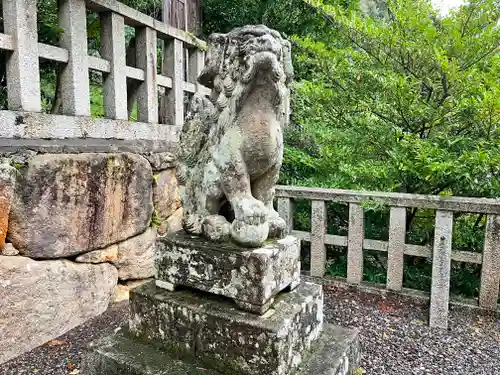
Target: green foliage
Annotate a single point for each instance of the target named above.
(403, 105)
(389, 96)
(156, 220)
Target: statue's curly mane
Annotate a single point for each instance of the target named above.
(231, 67)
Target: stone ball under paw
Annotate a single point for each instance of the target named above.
(249, 235)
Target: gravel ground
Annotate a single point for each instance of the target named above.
(396, 338)
(62, 356)
(394, 335)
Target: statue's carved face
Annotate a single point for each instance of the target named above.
(243, 53)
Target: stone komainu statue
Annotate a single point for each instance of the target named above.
(231, 145)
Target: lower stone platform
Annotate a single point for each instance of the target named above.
(211, 329)
(336, 352)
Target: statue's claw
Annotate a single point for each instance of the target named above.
(216, 228)
(277, 226)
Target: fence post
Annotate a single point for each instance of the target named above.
(113, 49)
(490, 269)
(318, 232)
(23, 71)
(147, 94)
(286, 213)
(173, 66)
(172, 105)
(441, 266)
(195, 66)
(75, 75)
(355, 239)
(395, 256)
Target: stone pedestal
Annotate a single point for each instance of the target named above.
(197, 328)
(251, 277)
(223, 337)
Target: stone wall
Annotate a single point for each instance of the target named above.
(75, 230)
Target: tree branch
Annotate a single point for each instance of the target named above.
(474, 62)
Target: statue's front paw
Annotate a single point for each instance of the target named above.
(216, 228)
(192, 224)
(250, 211)
(277, 227)
(249, 235)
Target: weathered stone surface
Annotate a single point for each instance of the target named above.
(231, 152)
(109, 254)
(121, 355)
(79, 145)
(213, 331)
(7, 188)
(9, 250)
(160, 160)
(136, 256)
(216, 228)
(166, 197)
(172, 225)
(252, 277)
(31, 125)
(41, 300)
(72, 204)
(336, 352)
(122, 290)
(18, 158)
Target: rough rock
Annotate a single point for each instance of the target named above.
(172, 225)
(166, 197)
(7, 188)
(122, 291)
(160, 160)
(109, 254)
(251, 277)
(9, 250)
(136, 256)
(226, 339)
(19, 158)
(41, 300)
(71, 204)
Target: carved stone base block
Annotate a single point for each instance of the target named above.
(336, 352)
(209, 328)
(251, 277)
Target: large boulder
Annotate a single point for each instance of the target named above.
(72, 204)
(41, 300)
(7, 188)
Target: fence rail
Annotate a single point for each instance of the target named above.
(396, 247)
(182, 56)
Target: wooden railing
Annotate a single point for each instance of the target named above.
(396, 247)
(178, 72)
